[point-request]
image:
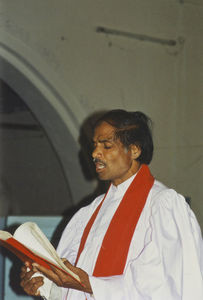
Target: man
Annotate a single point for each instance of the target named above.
(140, 241)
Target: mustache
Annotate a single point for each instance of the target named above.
(97, 160)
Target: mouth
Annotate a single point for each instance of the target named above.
(100, 165)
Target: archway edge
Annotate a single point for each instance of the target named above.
(56, 116)
(54, 89)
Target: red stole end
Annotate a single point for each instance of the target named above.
(113, 253)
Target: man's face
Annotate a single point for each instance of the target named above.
(112, 160)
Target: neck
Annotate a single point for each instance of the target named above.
(132, 171)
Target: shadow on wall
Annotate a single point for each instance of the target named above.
(86, 162)
(30, 169)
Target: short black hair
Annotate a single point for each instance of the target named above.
(132, 128)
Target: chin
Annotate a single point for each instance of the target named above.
(102, 176)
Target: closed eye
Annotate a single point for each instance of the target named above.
(107, 145)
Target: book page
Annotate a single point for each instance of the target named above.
(30, 235)
(4, 235)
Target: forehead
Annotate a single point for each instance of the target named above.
(104, 131)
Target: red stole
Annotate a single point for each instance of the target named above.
(113, 253)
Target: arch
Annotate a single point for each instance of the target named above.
(53, 113)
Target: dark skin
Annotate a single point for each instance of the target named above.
(113, 162)
(31, 286)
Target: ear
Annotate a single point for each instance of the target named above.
(135, 151)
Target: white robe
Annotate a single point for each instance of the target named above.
(165, 258)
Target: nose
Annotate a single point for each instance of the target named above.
(96, 153)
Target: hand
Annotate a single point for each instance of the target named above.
(60, 278)
(29, 285)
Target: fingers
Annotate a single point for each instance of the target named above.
(58, 276)
(25, 274)
(31, 286)
(54, 274)
(64, 260)
(49, 273)
(43, 270)
(69, 265)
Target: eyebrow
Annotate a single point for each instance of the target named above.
(106, 140)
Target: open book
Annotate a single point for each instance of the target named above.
(30, 244)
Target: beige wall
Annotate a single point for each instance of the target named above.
(93, 71)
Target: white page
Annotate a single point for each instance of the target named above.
(27, 234)
(4, 235)
(30, 235)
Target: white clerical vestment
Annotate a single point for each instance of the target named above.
(165, 258)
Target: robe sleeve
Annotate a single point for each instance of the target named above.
(170, 265)
(70, 240)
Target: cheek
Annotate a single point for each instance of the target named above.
(124, 164)
(123, 161)
(118, 158)
(111, 156)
